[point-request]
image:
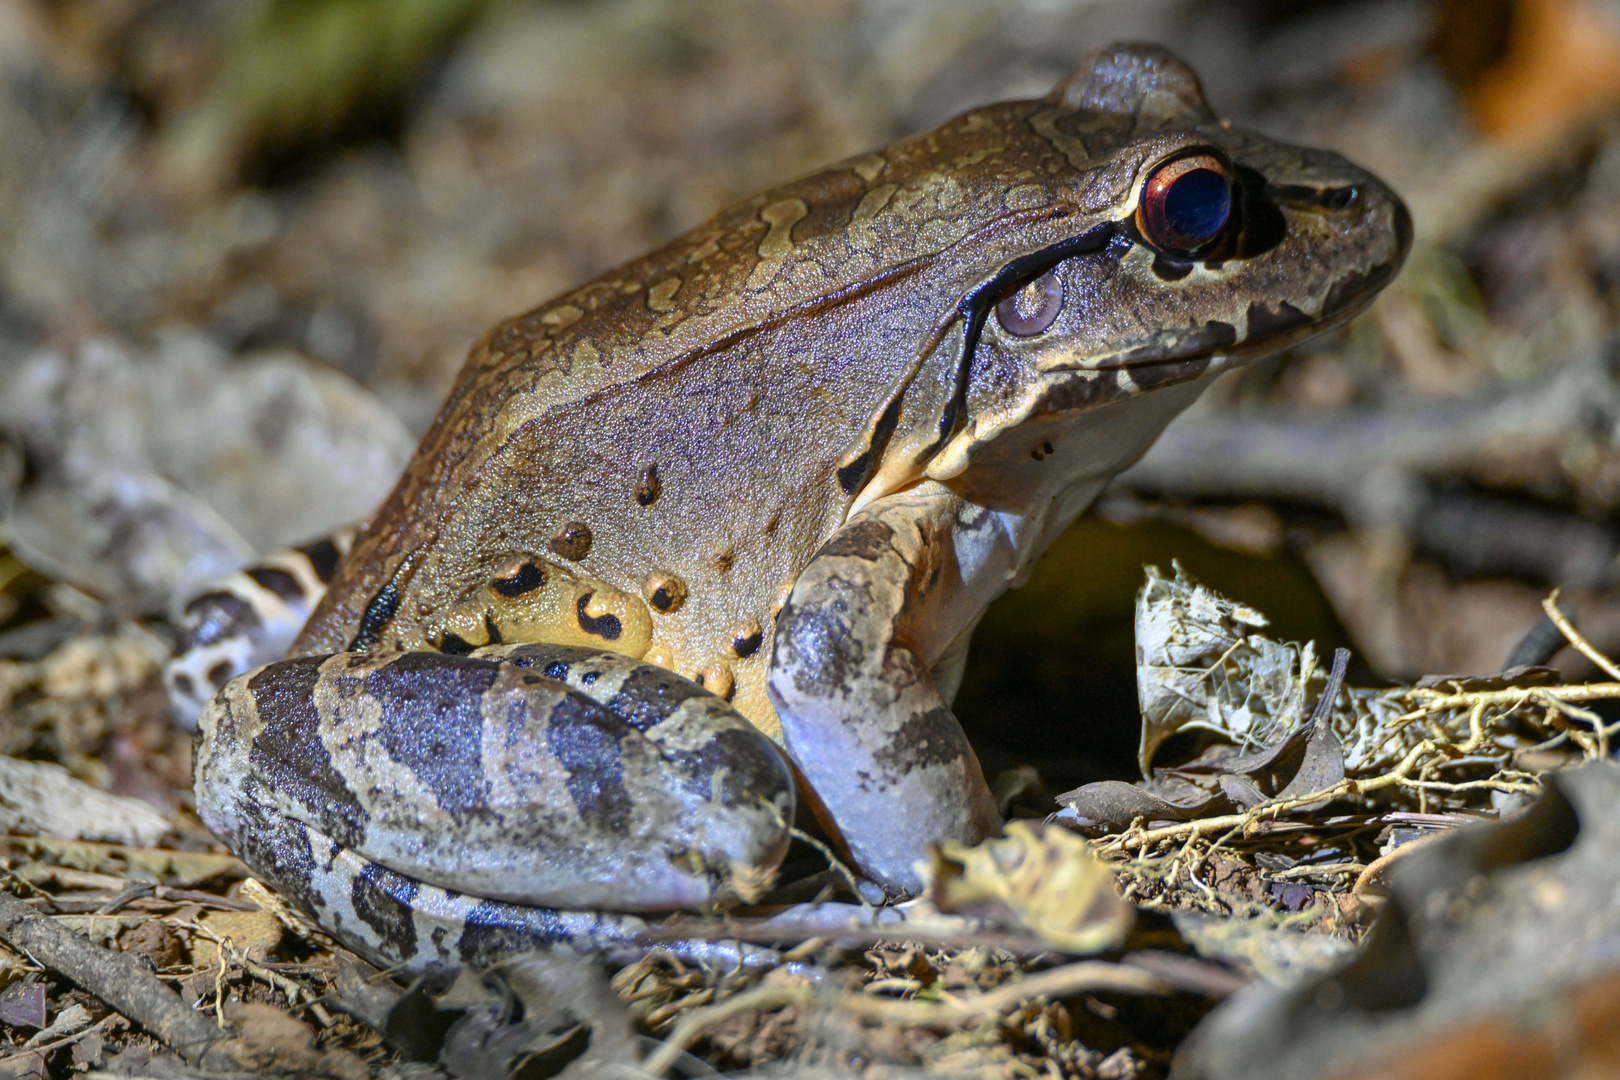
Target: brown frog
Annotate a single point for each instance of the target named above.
(741, 502)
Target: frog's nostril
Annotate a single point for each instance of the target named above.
(1342, 198)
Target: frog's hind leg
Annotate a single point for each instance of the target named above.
(421, 805)
(402, 924)
(247, 619)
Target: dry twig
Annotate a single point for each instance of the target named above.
(119, 980)
(1066, 981)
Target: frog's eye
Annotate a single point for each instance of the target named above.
(1185, 203)
(1033, 307)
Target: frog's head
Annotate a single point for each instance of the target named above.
(1173, 246)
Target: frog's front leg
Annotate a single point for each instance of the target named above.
(413, 803)
(853, 677)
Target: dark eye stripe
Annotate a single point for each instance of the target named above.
(974, 309)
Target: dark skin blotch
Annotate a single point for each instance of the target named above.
(215, 616)
(432, 723)
(289, 756)
(456, 645)
(818, 647)
(1265, 323)
(527, 578)
(276, 580)
(323, 558)
(867, 540)
(605, 626)
(378, 614)
(927, 738)
(382, 899)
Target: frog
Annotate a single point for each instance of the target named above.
(692, 554)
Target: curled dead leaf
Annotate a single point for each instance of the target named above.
(1043, 879)
(255, 934)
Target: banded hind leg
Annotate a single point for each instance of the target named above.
(427, 808)
(247, 619)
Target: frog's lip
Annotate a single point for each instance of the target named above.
(1210, 349)
(1268, 331)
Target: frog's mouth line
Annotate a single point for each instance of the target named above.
(1192, 355)
(1268, 331)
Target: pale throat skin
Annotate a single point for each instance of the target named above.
(794, 454)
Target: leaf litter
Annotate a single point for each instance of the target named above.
(1260, 861)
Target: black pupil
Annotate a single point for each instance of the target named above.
(1197, 205)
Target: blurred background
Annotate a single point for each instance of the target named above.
(245, 244)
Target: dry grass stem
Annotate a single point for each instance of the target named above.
(1067, 981)
(1576, 638)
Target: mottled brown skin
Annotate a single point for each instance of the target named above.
(796, 453)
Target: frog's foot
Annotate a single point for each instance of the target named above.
(247, 619)
(399, 923)
(409, 800)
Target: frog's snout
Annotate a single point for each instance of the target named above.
(1384, 232)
